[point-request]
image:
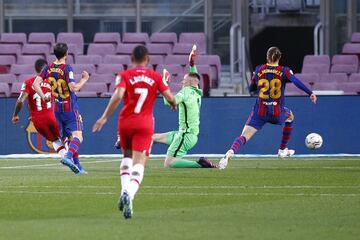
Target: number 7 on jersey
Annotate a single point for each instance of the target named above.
(143, 94)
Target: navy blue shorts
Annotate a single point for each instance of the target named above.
(69, 122)
(258, 122)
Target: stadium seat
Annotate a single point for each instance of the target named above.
(333, 78)
(107, 68)
(36, 49)
(7, 60)
(18, 38)
(125, 60)
(214, 62)
(183, 49)
(15, 89)
(325, 86)
(22, 69)
(292, 90)
(86, 94)
(79, 68)
(164, 37)
(4, 69)
(72, 38)
(141, 38)
(103, 78)
(207, 77)
(125, 49)
(22, 77)
(316, 64)
(345, 64)
(4, 89)
(101, 49)
(351, 48)
(177, 59)
(42, 38)
(355, 77)
(156, 60)
(98, 87)
(175, 86)
(159, 48)
(175, 70)
(194, 38)
(309, 78)
(107, 37)
(289, 5)
(69, 60)
(88, 59)
(355, 37)
(350, 87)
(28, 59)
(10, 49)
(7, 78)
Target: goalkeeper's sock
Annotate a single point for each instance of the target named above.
(125, 171)
(73, 147)
(238, 143)
(286, 134)
(184, 164)
(137, 175)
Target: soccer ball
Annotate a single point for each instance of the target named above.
(313, 141)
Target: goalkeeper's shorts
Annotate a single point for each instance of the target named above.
(180, 143)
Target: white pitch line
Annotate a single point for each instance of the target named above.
(196, 194)
(196, 187)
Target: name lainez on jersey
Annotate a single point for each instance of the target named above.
(142, 78)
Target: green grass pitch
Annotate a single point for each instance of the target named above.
(252, 199)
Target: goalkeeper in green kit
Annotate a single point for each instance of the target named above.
(180, 142)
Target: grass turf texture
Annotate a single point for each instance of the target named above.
(252, 199)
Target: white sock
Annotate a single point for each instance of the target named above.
(137, 175)
(59, 147)
(125, 171)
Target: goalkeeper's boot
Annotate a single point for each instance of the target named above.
(205, 163)
(125, 205)
(283, 153)
(69, 163)
(224, 161)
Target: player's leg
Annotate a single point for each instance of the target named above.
(286, 134)
(164, 138)
(253, 124)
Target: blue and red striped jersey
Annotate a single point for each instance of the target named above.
(270, 81)
(59, 76)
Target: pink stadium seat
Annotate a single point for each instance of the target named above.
(15, 89)
(355, 77)
(7, 60)
(183, 48)
(51, 58)
(175, 86)
(28, 59)
(98, 87)
(316, 64)
(316, 68)
(355, 37)
(125, 49)
(125, 60)
(102, 78)
(159, 48)
(345, 64)
(175, 70)
(194, 38)
(351, 48)
(206, 76)
(309, 78)
(19, 38)
(7, 78)
(214, 62)
(177, 59)
(350, 87)
(156, 60)
(36, 49)
(292, 90)
(79, 68)
(4, 69)
(141, 38)
(333, 78)
(72, 38)
(107, 37)
(23, 77)
(88, 59)
(164, 37)
(325, 86)
(10, 49)
(109, 68)
(4, 90)
(42, 37)
(101, 49)
(22, 69)
(86, 94)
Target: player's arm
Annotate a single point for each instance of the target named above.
(112, 105)
(18, 106)
(253, 86)
(169, 99)
(37, 88)
(76, 86)
(300, 85)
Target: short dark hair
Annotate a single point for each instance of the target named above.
(60, 50)
(139, 54)
(39, 65)
(273, 54)
(194, 75)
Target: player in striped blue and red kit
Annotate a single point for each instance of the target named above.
(269, 81)
(61, 77)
